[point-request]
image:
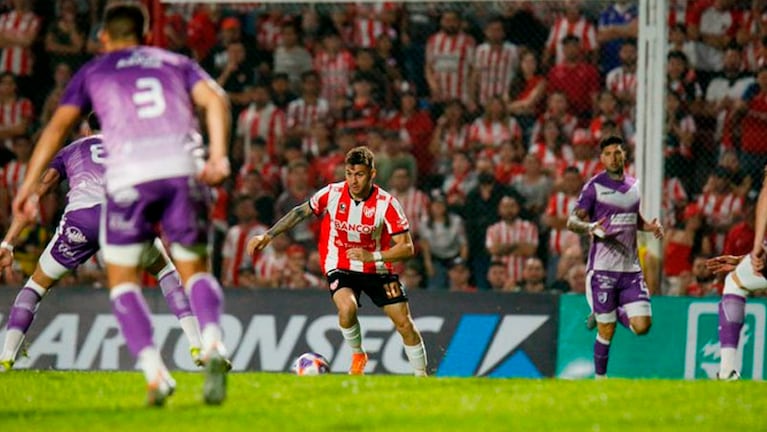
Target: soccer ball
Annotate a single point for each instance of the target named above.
(311, 364)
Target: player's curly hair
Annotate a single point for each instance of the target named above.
(360, 156)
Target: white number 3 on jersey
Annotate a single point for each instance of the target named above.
(149, 98)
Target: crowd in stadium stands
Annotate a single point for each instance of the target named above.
(484, 118)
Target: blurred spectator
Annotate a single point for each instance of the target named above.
(217, 59)
(622, 80)
(200, 32)
(534, 185)
(236, 76)
(526, 93)
(270, 263)
(740, 181)
(235, 254)
(291, 57)
(269, 29)
(724, 91)
(577, 79)
(442, 239)
(460, 181)
(752, 35)
(702, 282)
(415, 128)
(282, 91)
(414, 202)
(570, 258)
(361, 112)
(720, 207)
(448, 65)
(373, 21)
(493, 127)
(576, 279)
(12, 175)
(553, 150)
(570, 22)
(608, 109)
(261, 119)
(368, 69)
(64, 40)
(460, 277)
(412, 278)
(18, 31)
(617, 22)
(718, 27)
(585, 156)
(680, 135)
(451, 135)
(751, 113)
(61, 75)
(295, 276)
(533, 278)
(682, 80)
(175, 30)
(556, 109)
(508, 162)
(388, 60)
(298, 191)
(495, 64)
(678, 41)
(335, 66)
(560, 207)
(740, 237)
(16, 112)
(680, 245)
(329, 155)
(511, 240)
(258, 161)
(498, 277)
(306, 112)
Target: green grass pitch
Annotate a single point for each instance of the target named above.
(113, 401)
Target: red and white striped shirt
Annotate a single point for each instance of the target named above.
(719, 210)
(554, 163)
(495, 66)
(269, 33)
(567, 123)
(304, 115)
(367, 31)
(588, 168)
(14, 112)
(235, 251)
(583, 29)
(14, 58)
(267, 123)
(492, 134)
(11, 176)
(335, 73)
(346, 224)
(621, 80)
(416, 206)
(674, 194)
(453, 140)
(269, 264)
(451, 58)
(518, 231)
(561, 205)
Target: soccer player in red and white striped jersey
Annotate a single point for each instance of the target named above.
(571, 23)
(449, 60)
(495, 64)
(18, 30)
(511, 240)
(364, 229)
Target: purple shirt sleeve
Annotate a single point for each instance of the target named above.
(76, 94)
(58, 163)
(587, 198)
(193, 74)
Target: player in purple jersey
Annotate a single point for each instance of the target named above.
(608, 210)
(145, 99)
(75, 242)
(745, 275)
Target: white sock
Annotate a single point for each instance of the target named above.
(151, 363)
(211, 340)
(191, 330)
(13, 339)
(353, 337)
(416, 355)
(727, 365)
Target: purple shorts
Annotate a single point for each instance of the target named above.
(612, 289)
(76, 238)
(178, 206)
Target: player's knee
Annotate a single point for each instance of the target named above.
(641, 325)
(606, 330)
(404, 325)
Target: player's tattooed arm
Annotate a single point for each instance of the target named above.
(290, 220)
(578, 221)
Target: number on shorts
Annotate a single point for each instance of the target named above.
(149, 98)
(97, 153)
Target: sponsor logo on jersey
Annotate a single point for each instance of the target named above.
(624, 219)
(369, 212)
(74, 235)
(359, 228)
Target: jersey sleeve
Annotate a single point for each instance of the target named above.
(587, 198)
(58, 164)
(76, 93)
(319, 201)
(395, 218)
(194, 73)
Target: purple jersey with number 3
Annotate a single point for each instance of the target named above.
(142, 97)
(82, 164)
(617, 202)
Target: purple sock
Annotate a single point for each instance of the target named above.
(207, 299)
(174, 294)
(24, 309)
(732, 309)
(623, 317)
(132, 313)
(601, 354)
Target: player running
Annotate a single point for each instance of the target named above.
(608, 210)
(360, 221)
(145, 99)
(75, 242)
